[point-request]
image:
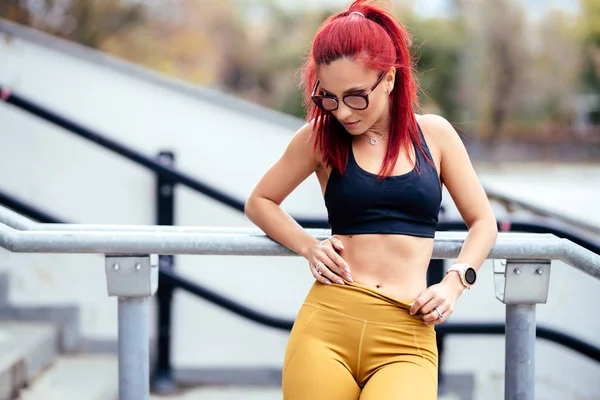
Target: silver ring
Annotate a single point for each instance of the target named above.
(440, 315)
(319, 265)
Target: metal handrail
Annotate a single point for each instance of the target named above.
(252, 242)
(132, 236)
(20, 222)
(133, 376)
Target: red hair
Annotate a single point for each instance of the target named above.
(380, 42)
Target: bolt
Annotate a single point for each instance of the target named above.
(116, 266)
(539, 271)
(518, 271)
(138, 266)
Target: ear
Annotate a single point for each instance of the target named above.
(390, 79)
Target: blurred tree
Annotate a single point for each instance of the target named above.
(186, 39)
(438, 44)
(590, 36)
(15, 11)
(590, 18)
(87, 22)
(554, 78)
(493, 65)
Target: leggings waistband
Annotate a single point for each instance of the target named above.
(362, 302)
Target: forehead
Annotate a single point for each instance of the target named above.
(344, 74)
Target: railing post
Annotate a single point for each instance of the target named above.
(133, 280)
(162, 382)
(521, 285)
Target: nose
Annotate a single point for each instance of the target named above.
(343, 112)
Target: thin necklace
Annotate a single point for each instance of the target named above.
(374, 141)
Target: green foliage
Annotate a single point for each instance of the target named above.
(487, 66)
(438, 45)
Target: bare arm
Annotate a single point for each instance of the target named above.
(263, 205)
(263, 208)
(460, 179)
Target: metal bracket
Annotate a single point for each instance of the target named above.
(521, 281)
(131, 276)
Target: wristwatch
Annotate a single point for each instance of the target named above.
(467, 274)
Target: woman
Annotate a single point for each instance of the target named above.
(366, 328)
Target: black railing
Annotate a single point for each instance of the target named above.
(168, 177)
(174, 280)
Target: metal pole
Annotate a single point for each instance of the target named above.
(134, 352)
(519, 371)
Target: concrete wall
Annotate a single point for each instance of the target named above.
(225, 143)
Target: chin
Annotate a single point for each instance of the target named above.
(354, 132)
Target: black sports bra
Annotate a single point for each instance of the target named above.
(408, 204)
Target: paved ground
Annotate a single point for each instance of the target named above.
(237, 393)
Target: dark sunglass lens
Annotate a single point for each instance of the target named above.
(357, 102)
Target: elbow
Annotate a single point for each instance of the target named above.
(491, 225)
(487, 224)
(249, 207)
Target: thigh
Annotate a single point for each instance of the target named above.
(316, 374)
(312, 368)
(402, 380)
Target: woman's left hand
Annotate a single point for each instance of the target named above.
(436, 303)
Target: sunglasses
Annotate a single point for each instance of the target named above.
(354, 101)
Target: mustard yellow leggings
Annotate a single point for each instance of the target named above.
(352, 342)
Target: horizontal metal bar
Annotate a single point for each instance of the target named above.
(139, 239)
(17, 221)
(223, 241)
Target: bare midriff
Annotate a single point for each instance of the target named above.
(395, 265)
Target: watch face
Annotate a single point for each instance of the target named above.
(470, 276)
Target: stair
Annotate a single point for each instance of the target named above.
(25, 350)
(30, 368)
(89, 377)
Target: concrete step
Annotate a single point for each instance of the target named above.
(89, 377)
(25, 350)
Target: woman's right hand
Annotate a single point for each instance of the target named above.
(326, 264)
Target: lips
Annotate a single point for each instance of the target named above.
(351, 124)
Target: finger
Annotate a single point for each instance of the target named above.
(338, 264)
(434, 318)
(435, 302)
(326, 271)
(318, 276)
(433, 315)
(420, 301)
(337, 243)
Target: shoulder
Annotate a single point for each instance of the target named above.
(304, 138)
(303, 143)
(439, 132)
(437, 127)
